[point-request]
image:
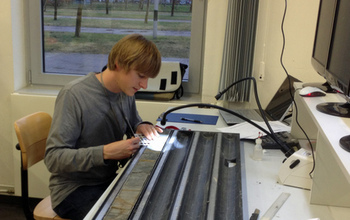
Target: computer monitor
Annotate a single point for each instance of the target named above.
(331, 57)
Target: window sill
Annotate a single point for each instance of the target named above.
(54, 90)
(39, 90)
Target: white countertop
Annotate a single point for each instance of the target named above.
(261, 177)
(261, 180)
(333, 128)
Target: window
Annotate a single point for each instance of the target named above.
(59, 53)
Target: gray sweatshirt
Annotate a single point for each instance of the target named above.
(82, 123)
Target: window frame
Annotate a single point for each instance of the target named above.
(37, 77)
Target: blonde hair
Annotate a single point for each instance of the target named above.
(135, 52)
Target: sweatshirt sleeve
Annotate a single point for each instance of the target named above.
(62, 155)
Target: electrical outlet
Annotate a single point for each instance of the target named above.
(261, 75)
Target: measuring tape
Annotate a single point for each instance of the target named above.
(271, 212)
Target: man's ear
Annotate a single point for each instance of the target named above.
(116, 65)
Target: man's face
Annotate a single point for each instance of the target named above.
(132, 81)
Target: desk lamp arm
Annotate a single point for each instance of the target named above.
(284, 148)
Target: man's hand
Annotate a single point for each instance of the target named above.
(149, 131)
(121, 149)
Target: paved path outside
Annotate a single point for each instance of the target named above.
(122, 19)
(117, 31)
(84, 63)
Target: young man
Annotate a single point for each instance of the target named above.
(85, 145)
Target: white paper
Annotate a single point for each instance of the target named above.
(249, 131)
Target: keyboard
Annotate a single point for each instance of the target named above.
(284, 136)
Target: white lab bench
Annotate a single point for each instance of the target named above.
(260, 177)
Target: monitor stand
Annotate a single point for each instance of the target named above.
(340, 110)
(345, 143)
(335, 108)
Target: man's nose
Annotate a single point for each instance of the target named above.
(143, 83)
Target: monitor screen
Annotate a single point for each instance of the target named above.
(339, 53)
(330, 57)
(323, 35)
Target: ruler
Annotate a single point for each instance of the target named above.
(271, 212)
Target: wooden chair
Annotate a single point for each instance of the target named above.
(32, 132)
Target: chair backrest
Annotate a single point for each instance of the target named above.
(32, 132)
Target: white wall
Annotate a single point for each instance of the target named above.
(6, 87)
(215, 29)
(299, 29)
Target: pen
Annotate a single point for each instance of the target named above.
(255, 215)
(190, 119)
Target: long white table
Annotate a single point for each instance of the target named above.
(260, 181)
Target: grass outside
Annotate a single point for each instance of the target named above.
(89, 43)
(96, 43)
(121, 14)
(120, 6)
(119, 24)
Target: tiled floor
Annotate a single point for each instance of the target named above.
(11, 212)
(11, 208)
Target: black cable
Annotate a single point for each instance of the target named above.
(284, 148)
(204, 105)
(290, 89)
(218, 96)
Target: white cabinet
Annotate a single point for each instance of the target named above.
(331, 177)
